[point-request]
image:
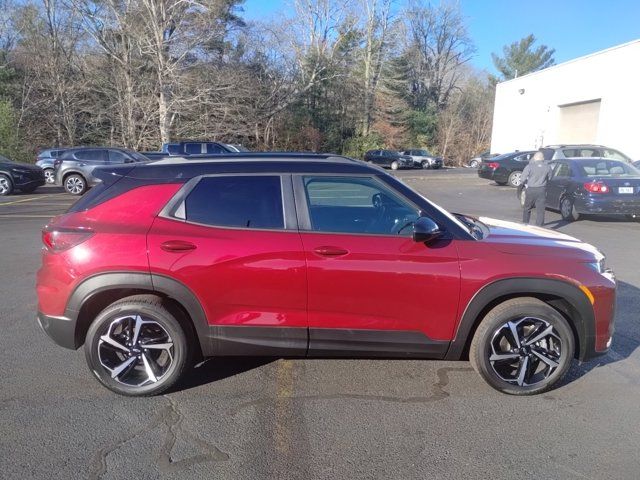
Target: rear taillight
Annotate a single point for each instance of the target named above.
(596, 187)
(493, 165)
(61, 239)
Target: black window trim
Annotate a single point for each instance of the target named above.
(174, 209)
(302, 207)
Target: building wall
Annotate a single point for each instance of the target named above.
(527, 109)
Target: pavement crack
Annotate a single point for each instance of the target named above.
(171, 418)
(437, 393)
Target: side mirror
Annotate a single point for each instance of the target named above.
(426, 230)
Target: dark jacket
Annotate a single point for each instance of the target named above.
(536, 174)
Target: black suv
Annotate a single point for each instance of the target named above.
(21, 176)
(74, 168)
(388, 158)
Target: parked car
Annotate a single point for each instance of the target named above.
(388, 158)
(423, 158)
(301, 255)
(19, 176)
(593, 186)
(74, 169)
(477, 160)
(505, 169)
(196, 147)
(558, 152)
(46, 159)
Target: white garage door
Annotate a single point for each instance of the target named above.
(579, 122)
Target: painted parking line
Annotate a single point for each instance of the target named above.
(24, 200)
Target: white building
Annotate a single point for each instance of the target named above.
(592, 99)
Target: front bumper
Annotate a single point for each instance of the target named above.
(61, 330)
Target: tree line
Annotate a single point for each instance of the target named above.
(338, 76)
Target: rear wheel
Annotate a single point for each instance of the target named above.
(49, 175)
(394, 165)
(6, 186)
(474, 163)
(425, 165)
(522, 347)
(75, 184)
(137, 347)
(567, 210)
(515, 178)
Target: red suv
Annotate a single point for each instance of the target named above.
(309, 255)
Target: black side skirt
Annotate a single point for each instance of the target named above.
(323, 342)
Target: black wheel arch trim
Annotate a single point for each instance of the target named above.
(583, 323)
(161, 284)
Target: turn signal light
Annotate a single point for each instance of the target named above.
(596, 187)
(59, 240)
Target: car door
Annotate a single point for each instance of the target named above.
(233, 241)
(557, 185)
(371, 289)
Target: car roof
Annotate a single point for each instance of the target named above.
(181, 167)
(574, 145)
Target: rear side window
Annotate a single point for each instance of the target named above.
(192, 148)
(237, 201)
(91, 155)
(215, 148)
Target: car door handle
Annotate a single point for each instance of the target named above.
(177, 246)
(328, 251)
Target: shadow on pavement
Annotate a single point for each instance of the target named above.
(219, 368)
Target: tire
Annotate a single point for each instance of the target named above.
(75, 184)
(425, 165)
(394, 165)
(521, 370)
(567, 210)
(128, 368)
(50, 176)
(474, 164)
(6, 185)
(514, 178)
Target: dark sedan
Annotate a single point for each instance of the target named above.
(505, 169)
(388, 158)
(19, 176)
(593, 186)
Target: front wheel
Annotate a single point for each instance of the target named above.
(522, 347)
(568, 210)
(425, 164)
(515, 178)
(75, 184)
(137, 347)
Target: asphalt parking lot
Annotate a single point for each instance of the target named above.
(316, 419)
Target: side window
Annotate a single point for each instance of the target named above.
(192, 148)
(237, 201)
(215, 148)
(357, 205)
(91, 155)
(571, 153)
(562, 170)
(116, 156)
(614, 155)
(525, 157)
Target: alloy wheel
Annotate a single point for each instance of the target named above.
(74, 185)
(136, 351)
(5, 186)
(525, 351)
(49, 176)
(566, 208)
(515, 179)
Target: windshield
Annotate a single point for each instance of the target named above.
(600, 168)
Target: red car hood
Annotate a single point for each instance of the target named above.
(519, 239)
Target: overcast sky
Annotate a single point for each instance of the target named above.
(573, 27)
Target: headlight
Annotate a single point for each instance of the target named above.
(599, 266)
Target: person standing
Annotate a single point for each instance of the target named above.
(535, 176)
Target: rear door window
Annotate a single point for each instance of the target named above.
(192, 148)
(237, 201)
